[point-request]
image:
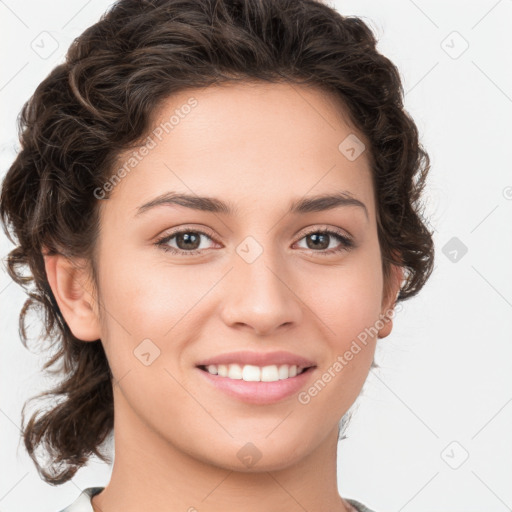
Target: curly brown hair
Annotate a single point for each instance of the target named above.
(100, 102)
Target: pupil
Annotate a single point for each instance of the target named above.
(187, 237)
(315, 236)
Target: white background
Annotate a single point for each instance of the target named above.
(445, 378)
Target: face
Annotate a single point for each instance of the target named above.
(180, 284)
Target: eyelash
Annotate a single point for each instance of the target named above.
(346, 242)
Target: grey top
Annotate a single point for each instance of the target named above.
(83, 502)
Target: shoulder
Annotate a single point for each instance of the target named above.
(83, 501)
(358, 506)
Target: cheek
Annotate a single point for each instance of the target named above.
(348, 299)
(148, 298)
(143, 304)
(348, 307)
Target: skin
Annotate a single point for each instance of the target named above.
(258, 146)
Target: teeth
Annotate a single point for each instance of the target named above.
(252, 373)
(234, 371)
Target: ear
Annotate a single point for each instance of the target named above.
(73, 291)
(389, 298)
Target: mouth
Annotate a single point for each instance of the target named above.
(257, 385)
(257, 377)
(253, 373)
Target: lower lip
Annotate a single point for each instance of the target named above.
(259, 392)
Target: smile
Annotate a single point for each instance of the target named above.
(248, 383)
(252, 373)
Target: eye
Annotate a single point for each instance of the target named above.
(320, 241)
(188, 241)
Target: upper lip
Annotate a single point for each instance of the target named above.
(258, 359)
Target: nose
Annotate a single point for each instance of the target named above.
(260, 297)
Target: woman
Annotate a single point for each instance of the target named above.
(270, 137)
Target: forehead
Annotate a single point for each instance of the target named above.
(251, 143)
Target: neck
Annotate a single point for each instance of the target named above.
(149, 472)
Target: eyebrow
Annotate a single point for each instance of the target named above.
(318, 203)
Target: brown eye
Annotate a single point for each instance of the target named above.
(319, 241)
(187, 242)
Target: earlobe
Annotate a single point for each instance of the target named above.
(74, 295)
(389, 299)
